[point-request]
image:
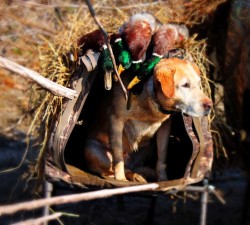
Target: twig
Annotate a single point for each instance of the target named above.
(203, 189)
(31, 205)
(40, 220)
(47, 84)
(92, 12)
(65, 5)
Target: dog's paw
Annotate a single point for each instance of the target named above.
(138, 178)
(135, 177)
(119, 172)
(121, 178)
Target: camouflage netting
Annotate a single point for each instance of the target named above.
(54, 55)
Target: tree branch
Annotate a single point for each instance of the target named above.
(47, 84)
(31, 205)
(40, 220)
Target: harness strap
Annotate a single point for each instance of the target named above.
(196, 166)
(204, 159)
(89, 60)
(64, 125)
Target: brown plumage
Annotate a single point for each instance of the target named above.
(164, 39)
(93, 40)
(167, 36)
(137, 33)
(183, 33)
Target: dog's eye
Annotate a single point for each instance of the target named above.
(186, 85)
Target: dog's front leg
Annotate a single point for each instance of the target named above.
(116, 130)
(162, 138)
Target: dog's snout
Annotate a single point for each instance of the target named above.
(207, 104)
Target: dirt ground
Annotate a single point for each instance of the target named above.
(128, 209)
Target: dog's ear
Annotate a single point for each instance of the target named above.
(165, 76)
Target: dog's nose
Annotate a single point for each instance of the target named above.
(207, 104)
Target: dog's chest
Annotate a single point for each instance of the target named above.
(136, 132)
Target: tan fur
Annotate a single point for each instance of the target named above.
(165, 77)
(117, 132)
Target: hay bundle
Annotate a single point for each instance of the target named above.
(55, 63)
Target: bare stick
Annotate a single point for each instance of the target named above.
(31, 205)
(40, 220)
(47, 84)
(125, 7)
(92, 12)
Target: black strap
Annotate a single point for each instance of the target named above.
(166, 111)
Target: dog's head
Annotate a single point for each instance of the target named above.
(178, 87)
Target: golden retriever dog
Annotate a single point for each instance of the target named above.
(116, 132)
